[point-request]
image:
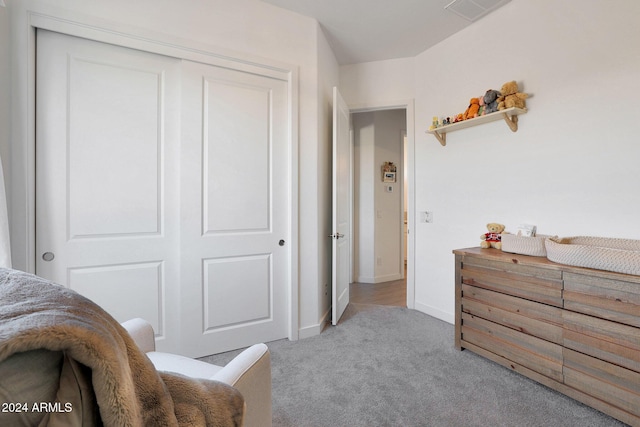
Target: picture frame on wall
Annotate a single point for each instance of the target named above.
(389, 172)
(389, 177)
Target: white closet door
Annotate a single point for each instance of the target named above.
(107, 177)
(163, 191)
(235, 185)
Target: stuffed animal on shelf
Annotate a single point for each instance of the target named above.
(491, 101)
(472, 109)
(510, 97)
(481, 110)
(493, 238)
(435, 123)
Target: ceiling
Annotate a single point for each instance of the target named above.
(373, 30)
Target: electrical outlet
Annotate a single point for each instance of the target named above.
(427, 216)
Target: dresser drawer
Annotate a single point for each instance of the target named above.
(611, 299)
(524, 281)
(531, 352)
(603, 339)
(542, 321)
(613, 384)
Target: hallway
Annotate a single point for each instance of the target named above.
(392, 293)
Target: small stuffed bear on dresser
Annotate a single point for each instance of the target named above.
(493, 238)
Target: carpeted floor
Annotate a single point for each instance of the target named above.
(390, 366)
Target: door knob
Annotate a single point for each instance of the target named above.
(48, 256)
(281, 242)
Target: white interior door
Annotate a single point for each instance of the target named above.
(341, 207)
(107, 220)
(235, 238)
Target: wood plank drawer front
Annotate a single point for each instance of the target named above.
(513, 267)
(541, 289)
(606, 340)
(611, 299)
(542, 321)
(534, 353)
(613, 384)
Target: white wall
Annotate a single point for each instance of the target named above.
(364, 227)
(572, 167)
(378, 138)
(328, 76)
(249, 28)
(5, 94)
(390, 126)
(315, 253)
(378, 83)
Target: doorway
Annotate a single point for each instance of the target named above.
(381, 199)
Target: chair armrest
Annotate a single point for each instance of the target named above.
(250, 373)
(142, 333)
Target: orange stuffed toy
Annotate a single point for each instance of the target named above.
(472, 110)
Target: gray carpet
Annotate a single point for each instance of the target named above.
(390, 366)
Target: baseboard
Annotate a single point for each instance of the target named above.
(313, 330)
(379, 279)
(388, 278)
(435, 312)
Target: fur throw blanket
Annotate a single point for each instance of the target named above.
(112, 373)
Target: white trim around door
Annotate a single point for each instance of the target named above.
(408, 105)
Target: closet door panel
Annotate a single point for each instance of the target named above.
(235, 169)
(107, 175)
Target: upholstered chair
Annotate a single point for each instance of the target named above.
(249, 372)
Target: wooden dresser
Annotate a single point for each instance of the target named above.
(573, 329)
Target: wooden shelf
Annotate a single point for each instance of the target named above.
(510, 116)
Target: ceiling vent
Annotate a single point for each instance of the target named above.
(472, 10)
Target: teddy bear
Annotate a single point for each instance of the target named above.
(510, 97)
(491, 101)
(492, 239)
(472, 110)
